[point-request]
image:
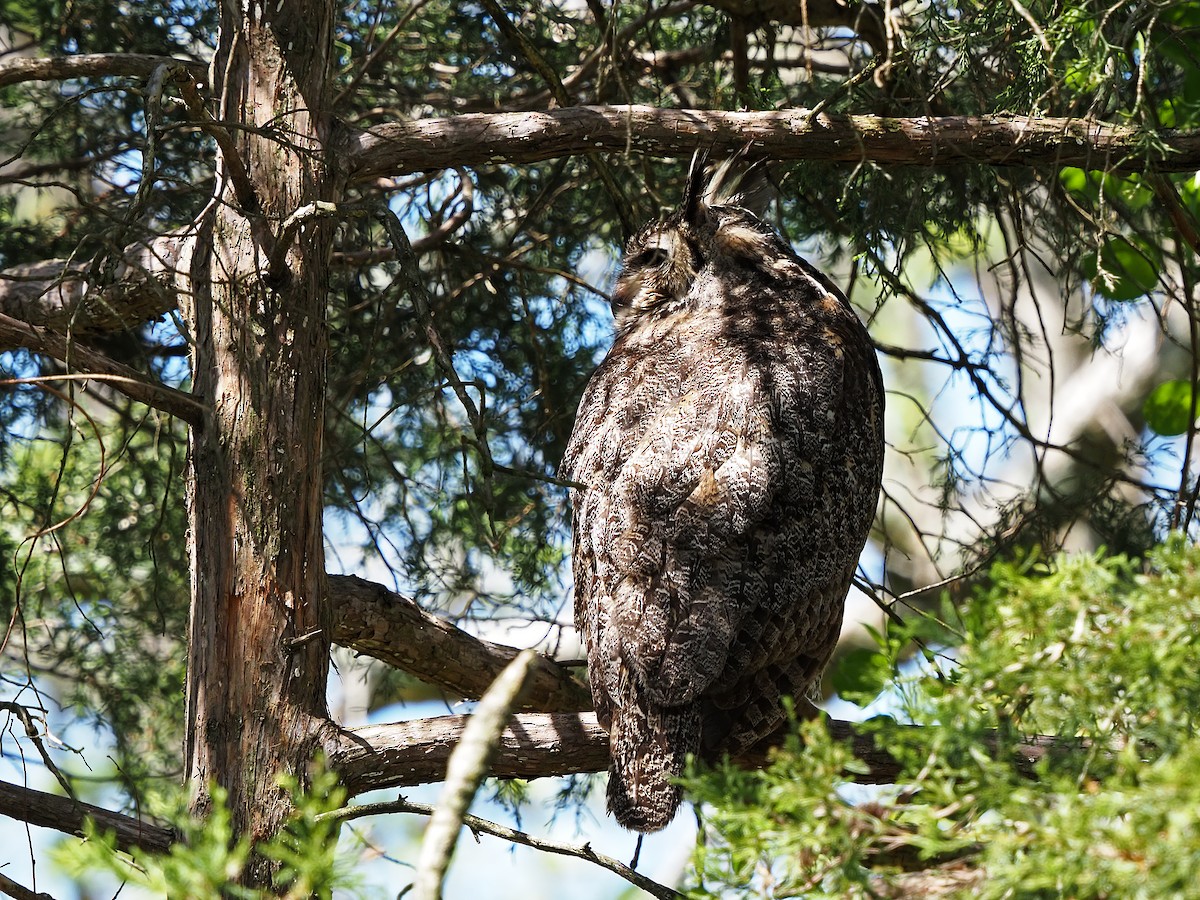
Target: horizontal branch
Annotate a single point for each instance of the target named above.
(403, 754)
(58, 68)
(59, 294)
(793, 134)
(536, 745)
(67, 815)
(392, 628)
(93, 365)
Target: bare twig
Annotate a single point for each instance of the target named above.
(243, 185)
(465, 772)
(476, 824)
(365, 66)
(535, 59)
(129, 382)
(409, 271)
(31, 732)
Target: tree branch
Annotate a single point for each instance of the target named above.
(392, 628)
(35, 736)
(91, 364)
(403, 754)
(67, 815)
(57, 293)
(19, 891)
(535, 745)
(56, 68)
(489, 138)
(150, 277)
(476, 824)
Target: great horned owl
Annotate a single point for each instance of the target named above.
(730, 448)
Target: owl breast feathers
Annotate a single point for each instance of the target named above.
(730, 446)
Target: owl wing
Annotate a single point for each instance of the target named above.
(665, 520)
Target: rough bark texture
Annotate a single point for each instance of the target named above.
(66, 296)
(372, 620)
(483, 138)
(259, 633)
(408, 753)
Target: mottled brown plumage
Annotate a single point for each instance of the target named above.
(731, 446)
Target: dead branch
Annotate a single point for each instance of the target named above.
(90, 364)
(57, 293)
(490, 138)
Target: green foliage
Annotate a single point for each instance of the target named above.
(209, 858)
(862, 673)
(1089, 651)
(1168, 409)
(95, 557)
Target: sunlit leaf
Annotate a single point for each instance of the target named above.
(1125, 269)
(861, 675)
(1168, 409)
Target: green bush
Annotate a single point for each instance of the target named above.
(1098, 654)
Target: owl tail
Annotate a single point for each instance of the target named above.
(649, 747)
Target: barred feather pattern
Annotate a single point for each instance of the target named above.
(731, 448)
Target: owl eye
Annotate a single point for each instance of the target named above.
(651, 257)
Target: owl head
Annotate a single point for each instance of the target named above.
(719, 215)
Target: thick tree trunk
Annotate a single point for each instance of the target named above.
(259, 633)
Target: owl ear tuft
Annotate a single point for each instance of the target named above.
(735, 181)
(695, 191)
(739, 182)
